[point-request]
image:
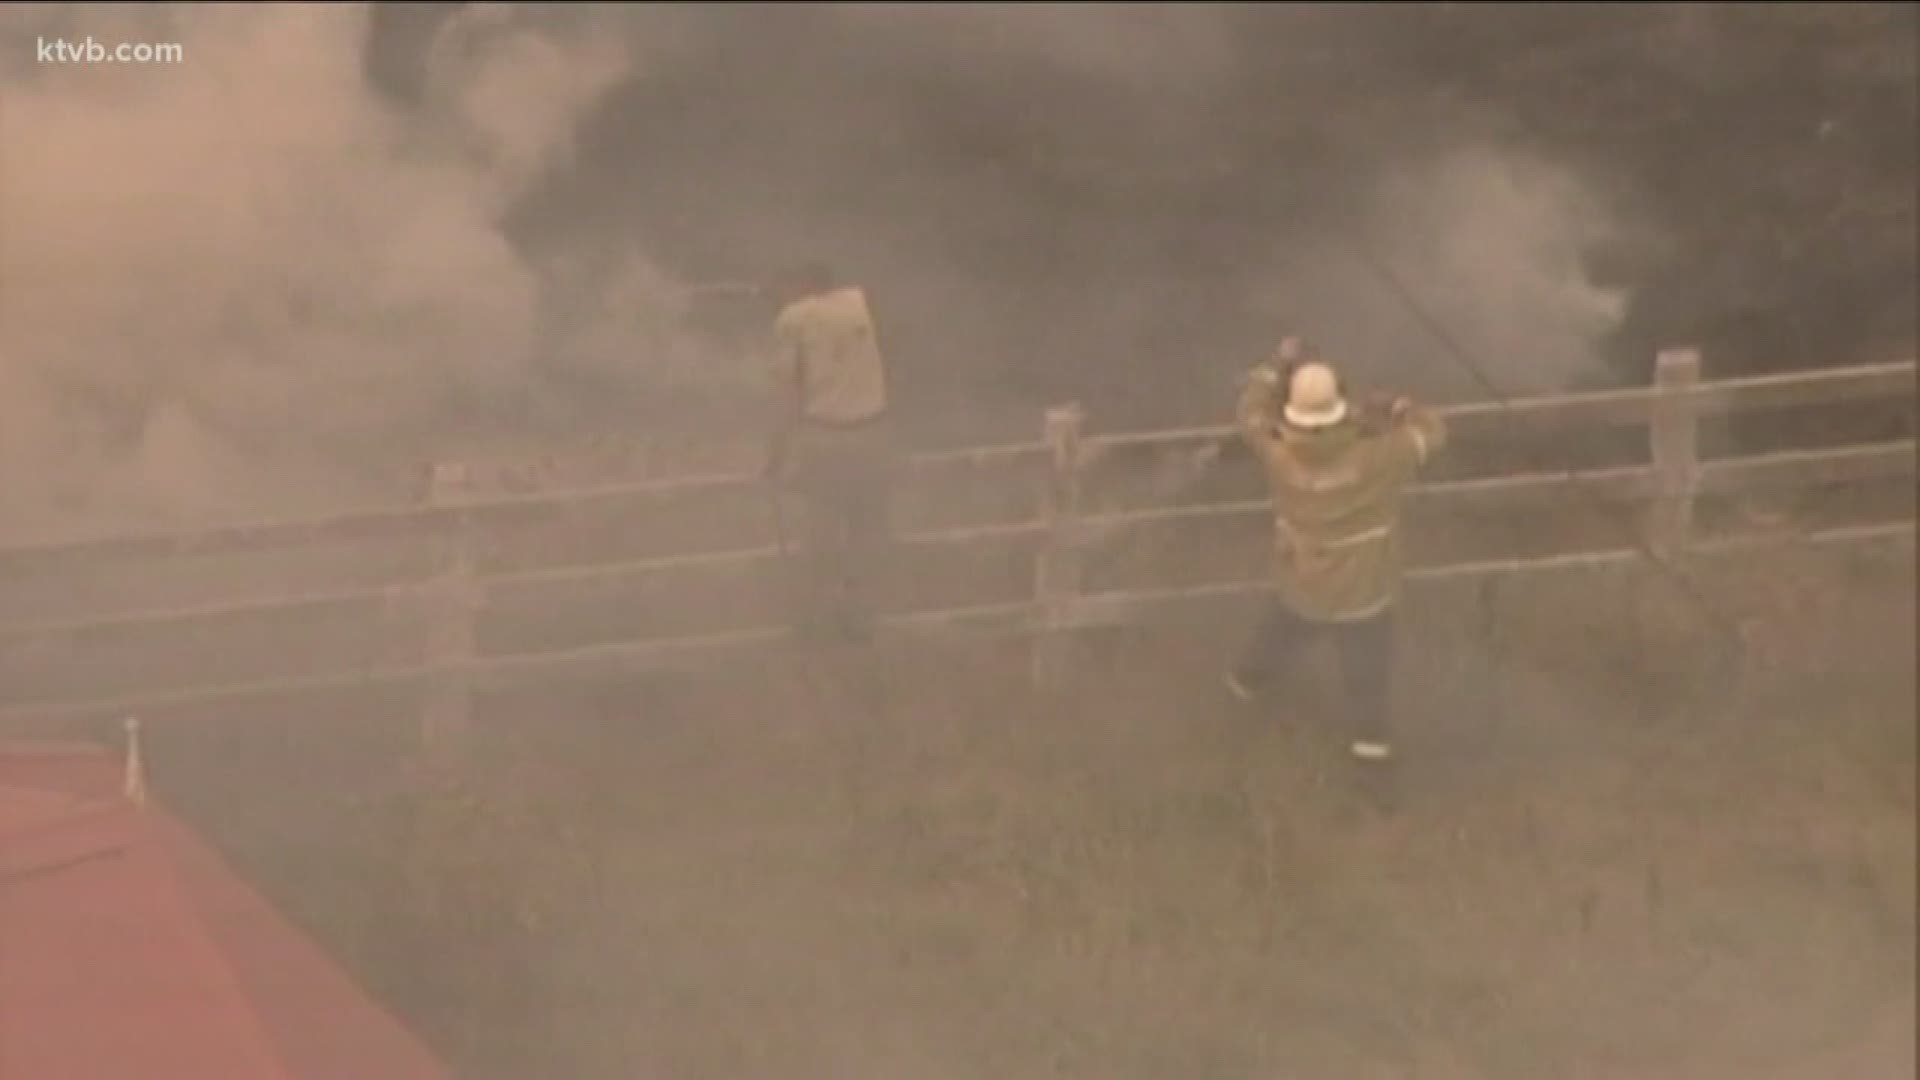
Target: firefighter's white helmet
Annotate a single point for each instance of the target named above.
(1314, 399)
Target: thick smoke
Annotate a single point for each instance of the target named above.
(226, 279)
(1485, 246)
(1499, 241)
(1161, 101)
(250, 281)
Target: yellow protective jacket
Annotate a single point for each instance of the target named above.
(826, 361)
(1336, 500)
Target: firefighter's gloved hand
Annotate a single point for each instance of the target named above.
(1375, 412)
(1381, 407)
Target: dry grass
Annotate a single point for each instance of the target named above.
(913, 870)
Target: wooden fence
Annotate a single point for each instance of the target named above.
(442, 567)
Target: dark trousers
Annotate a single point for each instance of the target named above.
(839, 513)
(1365, 651)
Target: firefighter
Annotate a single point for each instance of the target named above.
(830, 451)
(1337, 478)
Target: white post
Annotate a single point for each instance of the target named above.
(1057, 570)
(1675, 432)
(134, 787)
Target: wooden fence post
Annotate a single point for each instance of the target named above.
(1057, 570)
(1675, 433)
(452, 601)
(1493, 672)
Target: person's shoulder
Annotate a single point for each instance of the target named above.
(797, 312)
(837, 303)
(1263, 374)
(847, 300)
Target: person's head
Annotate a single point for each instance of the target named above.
(1314, 397)
(804, 280)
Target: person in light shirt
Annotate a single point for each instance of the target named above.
(831, 449)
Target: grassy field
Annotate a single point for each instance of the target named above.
(1616, 858)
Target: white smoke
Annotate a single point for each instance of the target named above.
(222, 280)
(1495, 244)
(1487, 244)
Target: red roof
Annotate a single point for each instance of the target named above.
(129, 948)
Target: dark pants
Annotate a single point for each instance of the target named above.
(838, 515)
(1365, 651)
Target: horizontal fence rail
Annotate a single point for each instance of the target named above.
(1780, 469)
(466, 579)
(1754, 393)
(1760, 392)
(1091, 611)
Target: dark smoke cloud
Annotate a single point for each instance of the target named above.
(1130, 202)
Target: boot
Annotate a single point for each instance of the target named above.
(1376, 776)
